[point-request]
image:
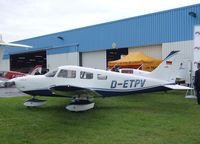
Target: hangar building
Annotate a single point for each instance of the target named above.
(154, 34)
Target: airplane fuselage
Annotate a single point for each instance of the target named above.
(103, 83)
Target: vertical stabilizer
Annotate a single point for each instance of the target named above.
(167, 70)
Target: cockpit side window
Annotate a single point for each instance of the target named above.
(86, 75)
(51, 73)
(67, 74)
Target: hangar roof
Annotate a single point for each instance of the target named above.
(156, 28)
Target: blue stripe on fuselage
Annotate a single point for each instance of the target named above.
(102, 92)
(43, 92)
(119, 93)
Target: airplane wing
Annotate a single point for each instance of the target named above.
(178, 87)
(68, 90)
(15, 45)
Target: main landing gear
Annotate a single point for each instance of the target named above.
(80, 104)
(33, 102)
(77, 104)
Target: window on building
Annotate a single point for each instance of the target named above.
(67, 74)
(86, 75)
(101, 77)
(51, 73)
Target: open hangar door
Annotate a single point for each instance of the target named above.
(24, 62)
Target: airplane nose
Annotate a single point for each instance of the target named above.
(19, 82)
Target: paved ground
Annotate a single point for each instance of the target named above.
(10, 92)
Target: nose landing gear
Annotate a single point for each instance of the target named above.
(33, 102)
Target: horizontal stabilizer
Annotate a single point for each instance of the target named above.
(178, 87)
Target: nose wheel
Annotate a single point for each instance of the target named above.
(33, 102)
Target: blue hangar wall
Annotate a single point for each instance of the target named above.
(151, 29)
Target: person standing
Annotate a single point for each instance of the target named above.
(197, 83)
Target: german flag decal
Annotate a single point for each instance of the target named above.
(169, 62)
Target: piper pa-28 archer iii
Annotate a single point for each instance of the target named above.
(80, 83)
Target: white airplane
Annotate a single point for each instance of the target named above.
(2, 43)
(81, 83)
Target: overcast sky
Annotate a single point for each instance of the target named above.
(21, 19)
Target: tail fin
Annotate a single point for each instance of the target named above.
(36, 69)
(167, 70)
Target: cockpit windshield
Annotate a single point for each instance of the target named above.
(51, 73)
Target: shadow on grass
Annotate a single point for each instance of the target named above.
(147, 103)
(158, 107)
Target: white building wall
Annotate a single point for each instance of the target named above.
(153, 50)
(1, 58)
(185, 57)
(185, 47)
(94, 59)
(56, 60)
(1, 54)
(4, 64)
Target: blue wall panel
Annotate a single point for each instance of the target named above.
(167, 26)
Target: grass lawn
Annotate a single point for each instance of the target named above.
(156, 118)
